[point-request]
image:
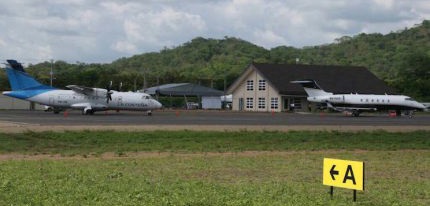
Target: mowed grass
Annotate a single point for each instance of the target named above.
(87, 142)
(211, 168)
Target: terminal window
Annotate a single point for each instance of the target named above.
(249, 103)
(261, 103)
(274, 103)
(250, 85)
(261, 84)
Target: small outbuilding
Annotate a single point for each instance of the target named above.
(210, 98)
(268, 87)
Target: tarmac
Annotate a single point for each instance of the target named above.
(21, 121)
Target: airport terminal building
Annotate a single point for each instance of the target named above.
(266, 87)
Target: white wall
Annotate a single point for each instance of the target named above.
(211, 102)
(13, 103)
(268, 93)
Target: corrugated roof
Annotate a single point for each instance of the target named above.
(336, 79)
(181, 89)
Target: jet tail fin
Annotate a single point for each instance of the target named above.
(311, 88)
(19, 79)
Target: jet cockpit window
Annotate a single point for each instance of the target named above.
(146, 97)
(409, 99)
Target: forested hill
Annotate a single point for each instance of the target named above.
(401, 58)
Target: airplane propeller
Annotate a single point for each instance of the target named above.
(109, 93)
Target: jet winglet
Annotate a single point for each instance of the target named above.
(311, 87)
(307, 83)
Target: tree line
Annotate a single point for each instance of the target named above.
(400, 58)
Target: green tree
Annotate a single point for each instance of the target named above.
(414, 79)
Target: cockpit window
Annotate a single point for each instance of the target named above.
(409, 99)
(146, 97)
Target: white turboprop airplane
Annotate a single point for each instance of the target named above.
(358, 103)
(87, 99)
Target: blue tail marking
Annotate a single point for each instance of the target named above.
(23, 85)
(20, 80)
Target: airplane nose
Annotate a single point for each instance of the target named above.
(157, 104)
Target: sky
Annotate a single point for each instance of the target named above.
(101, 31)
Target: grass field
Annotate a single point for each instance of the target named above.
(209, 168)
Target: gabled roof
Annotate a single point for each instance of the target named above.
(336, 79)
(181, 89)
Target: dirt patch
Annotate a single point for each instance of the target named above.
(143, 155)
(10, 127)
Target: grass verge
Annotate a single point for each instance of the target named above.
(287, 172)
(392, 178)
(90, 142)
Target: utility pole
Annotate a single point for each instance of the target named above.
(51, 73)
(145, 83)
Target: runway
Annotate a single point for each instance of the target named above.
(18, 120)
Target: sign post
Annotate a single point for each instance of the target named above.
(343, 173)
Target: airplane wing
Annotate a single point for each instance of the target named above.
(81, 89)
(81, 105)
(354, 108)
(340, 109)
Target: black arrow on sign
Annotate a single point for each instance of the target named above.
(333, 172)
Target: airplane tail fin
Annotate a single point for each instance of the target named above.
(19, 79)
(311, 88)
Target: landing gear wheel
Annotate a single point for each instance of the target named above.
(355, 113)
(409, 113)
(398, 113)
(87, 112)
(149, 113)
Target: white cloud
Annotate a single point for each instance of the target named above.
(268, 38)
(2, 43)
(124, 47)
(160, 28)
(102, 31)
(387, 4)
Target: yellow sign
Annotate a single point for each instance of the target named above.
(343, 173)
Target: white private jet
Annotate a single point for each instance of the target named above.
(87, 99)
(358, 103)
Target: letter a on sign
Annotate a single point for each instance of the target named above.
(343, 173)
(349, 175)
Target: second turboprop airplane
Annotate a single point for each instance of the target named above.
(86, 99)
